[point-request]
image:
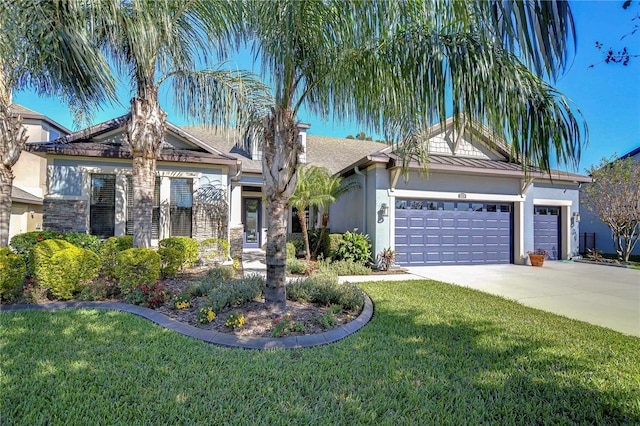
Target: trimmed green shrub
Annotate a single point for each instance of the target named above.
(40, 256)
(136, 266)
(324, 288)
(68, 271)
(291, 250)
(12, 273)
(355, 247)
(171, 260)
(108, 252)
(188, 247)
(22, 244)
(85, 241)
(295, 266)
(214, 250)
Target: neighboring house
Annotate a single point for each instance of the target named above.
(594, 232)
(30, 172)
(475, 206)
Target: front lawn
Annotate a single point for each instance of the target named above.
(433, 353)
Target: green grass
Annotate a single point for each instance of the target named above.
(433, 354)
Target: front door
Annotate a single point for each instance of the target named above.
(251, 218)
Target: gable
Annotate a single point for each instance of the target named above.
(450, 142)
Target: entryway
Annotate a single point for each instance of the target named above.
(252, 220)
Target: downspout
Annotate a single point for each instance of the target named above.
(357, 171)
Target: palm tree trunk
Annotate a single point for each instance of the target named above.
(305, 234)
(145, 134)
(12, 139)
(280, 162)
(323, 230)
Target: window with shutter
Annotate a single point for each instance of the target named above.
(155, 219)
(102, 207)
(181, 205)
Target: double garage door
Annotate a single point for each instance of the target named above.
(434, 232)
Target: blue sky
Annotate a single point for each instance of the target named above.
(607, 95)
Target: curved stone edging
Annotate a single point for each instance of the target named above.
(214, 337)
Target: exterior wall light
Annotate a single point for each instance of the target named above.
(384, 210)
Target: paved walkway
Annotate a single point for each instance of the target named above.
(598, 294)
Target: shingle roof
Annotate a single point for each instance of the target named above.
(25, 112)
(19, 195)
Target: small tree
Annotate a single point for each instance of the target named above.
(614, 197)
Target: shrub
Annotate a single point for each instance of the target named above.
(68, 270)
(40, 255)
(222, 294)
(137, 266)
(85, 241)
(291, 250)
(171, 261)
(188, 247)
(345, 267)
(355, 247)
(386, 259)
(214, 249)
(12, 273)
(99, 290)
(109, 251)
(148, 295)
(314, 236)
(295, 266)
(333, 245)
(324, 288)
(221, 273)
(181, 301)
(299, 245)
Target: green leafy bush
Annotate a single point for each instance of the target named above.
(222, 273)
(295, 266)
(355, 247)
(12, 273)
(85, 241)
(214, 249)
(344, 267)
(40, 255)
(324, 288)
(291, 250)
(188, 247)
(314, 236)
(137, 266)
(171, 261)
(109, 251)
(68, 270)
(232, 293)
(333, 245)
(22, 244)
(99, 290)
(149, 295)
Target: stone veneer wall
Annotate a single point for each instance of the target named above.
(235, 242)
(65, 215)
(209, 221)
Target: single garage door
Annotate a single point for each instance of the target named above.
(546, 230)
(432, 232)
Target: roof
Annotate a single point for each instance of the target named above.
(19, 195)
(25, 112)
(631, 153)
(83, 143)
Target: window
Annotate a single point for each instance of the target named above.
(181, 206)
(155, 215)
(102, 208)
(295, 220)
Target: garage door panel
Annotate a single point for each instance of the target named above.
(546, 230)
(426, 237)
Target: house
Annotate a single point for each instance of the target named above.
(30, 172)
(475, 205)
(595, 234)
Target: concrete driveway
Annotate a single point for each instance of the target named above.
(598, 294)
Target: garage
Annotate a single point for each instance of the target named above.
(440, 232)
(546, 230)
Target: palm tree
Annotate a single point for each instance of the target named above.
(158, 41)
(45, 46)
(310, 192)
(333, 187)
(400, 66)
